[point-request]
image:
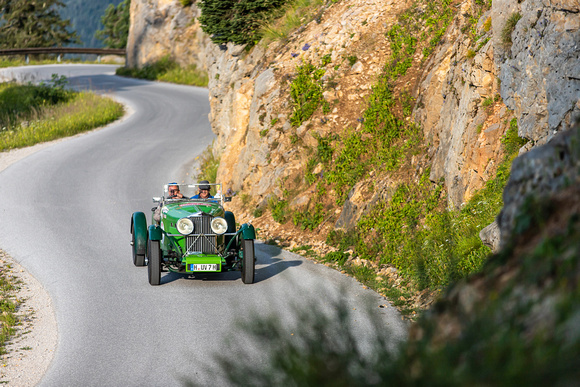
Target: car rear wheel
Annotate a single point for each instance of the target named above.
(248, 262)
(154, 265)
(138, 259)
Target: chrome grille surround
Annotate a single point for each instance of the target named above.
(203, 239)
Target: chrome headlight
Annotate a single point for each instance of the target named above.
(219, 225)
(184, 226)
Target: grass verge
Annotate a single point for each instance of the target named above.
(33, 114)
(167, 70)
(8, 304)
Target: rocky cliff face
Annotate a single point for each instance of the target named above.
(480, 75)
(162, 28)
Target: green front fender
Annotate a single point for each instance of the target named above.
(139, 227)
(247, 231)
(155, 233)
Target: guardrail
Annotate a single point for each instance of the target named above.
(62, 50)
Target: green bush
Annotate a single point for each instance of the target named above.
(306, 93)
(279, 209)
(208, 166)
(239, 22)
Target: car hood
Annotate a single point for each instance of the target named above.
(182, 209)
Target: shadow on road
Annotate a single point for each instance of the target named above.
(269, 264)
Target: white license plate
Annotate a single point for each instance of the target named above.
(204, 267)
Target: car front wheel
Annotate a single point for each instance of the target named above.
(154, 265)
(248, 262)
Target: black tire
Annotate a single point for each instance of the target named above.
(138, 259)
(248, 262)
(154, 265)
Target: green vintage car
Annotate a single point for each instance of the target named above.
(192, 236)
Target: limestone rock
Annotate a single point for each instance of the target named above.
(538, 174)
(164, 27)
(490, 237)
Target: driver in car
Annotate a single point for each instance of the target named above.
(173, 190)
(173, 193)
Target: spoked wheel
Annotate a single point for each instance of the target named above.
(154, 265)
(138, 259)
(248, 262)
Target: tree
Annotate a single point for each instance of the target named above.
(33, 23)
(116, 22)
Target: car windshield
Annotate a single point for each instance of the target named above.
(172, 191)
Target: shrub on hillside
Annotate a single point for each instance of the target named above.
(238, 22)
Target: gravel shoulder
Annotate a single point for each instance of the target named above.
(31, 350)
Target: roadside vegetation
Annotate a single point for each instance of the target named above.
(208, 166)
(8, 303)
(167, 70)
(524, 333)
(31, 114)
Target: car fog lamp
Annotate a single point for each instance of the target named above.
(219, 225)
(184, 226)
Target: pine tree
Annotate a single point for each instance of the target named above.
(116, 22)
(33, 23)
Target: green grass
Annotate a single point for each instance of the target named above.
(306, 93)
(34, 114)
(295, 14)
(8, 305)
(208, 166)
(167, 70)
(523, 332)
(510, 25)
(430, 245)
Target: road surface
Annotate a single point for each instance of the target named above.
(65, 216)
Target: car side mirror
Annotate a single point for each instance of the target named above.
(156, 199)
(227, 198)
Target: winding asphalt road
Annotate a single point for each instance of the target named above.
(65, 216)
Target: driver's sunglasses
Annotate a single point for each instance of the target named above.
(206, 190)
(173, 190)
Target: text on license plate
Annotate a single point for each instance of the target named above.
(204, 267)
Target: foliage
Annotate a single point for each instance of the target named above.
(18, 101)
(430, 245)
(278, 208)
(239, 22)
(524, 332)
(116, 25)
(33, 23)
(85, 18)
(8, 306)
(309, 219)
(295, 14)
(508, 28)
(306, 93)
(208, 165)
(167, 70)
(32, 114)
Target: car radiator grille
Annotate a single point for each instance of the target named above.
(204, 243)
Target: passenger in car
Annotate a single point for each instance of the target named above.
(203, 191)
